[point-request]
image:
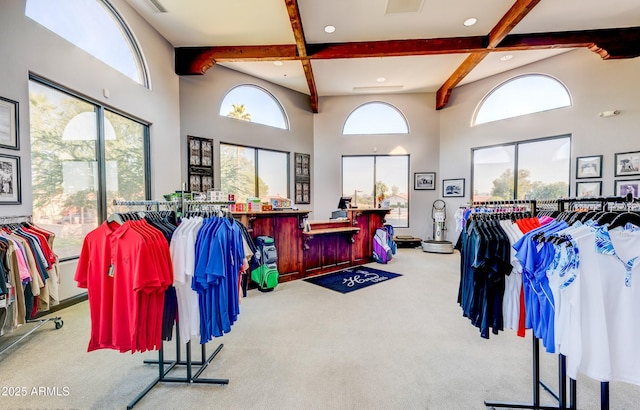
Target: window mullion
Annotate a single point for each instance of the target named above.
(101, 160)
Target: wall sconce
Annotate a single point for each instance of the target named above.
(607, 114)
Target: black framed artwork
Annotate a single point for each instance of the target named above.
(302, 181)
(200, 151)
(627, 163)
(453, 187)
(589, 167)
(10, 180)
(588, 189)
(9, 135)
(424, 180)
(624, 187)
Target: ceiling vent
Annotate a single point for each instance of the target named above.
(156, 6)
(403, 6)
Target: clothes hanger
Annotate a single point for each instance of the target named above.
(625, 218)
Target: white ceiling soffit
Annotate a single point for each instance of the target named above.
(416, 74)
(220, 23)
(366, 20)
(403, 6)
(290, 74)
(569, 15)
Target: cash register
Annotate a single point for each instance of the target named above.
(343, 205)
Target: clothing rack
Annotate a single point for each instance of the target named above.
(166, 366)
(191, 206)
(504, 206)
(4, 220)
(608, 204)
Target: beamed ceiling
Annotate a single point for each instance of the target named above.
(382, 46)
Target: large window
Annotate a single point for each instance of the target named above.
(379, 180)
(522, 95)
(83, 156)
(254, 104)
(253, 172)
(96, 27)
(375, 118)
(537, 169)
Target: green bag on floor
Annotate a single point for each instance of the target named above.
(265, 277)
(266, 274)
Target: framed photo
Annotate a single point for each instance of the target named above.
(453, 187)
(9, 137)
(10, 180)
(424, 180)
(588, 189)
(303, 162)
(589, 167)
(627, 163)
(623, 187)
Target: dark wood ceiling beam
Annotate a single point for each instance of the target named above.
(513, 16)
(197, 60)
(301, 45)
(396, 48)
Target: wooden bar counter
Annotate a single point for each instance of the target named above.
(328, 246)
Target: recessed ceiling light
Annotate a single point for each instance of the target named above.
(506, 57)
(329, 29)
(278, 63)
(470, 22)
(381, 79)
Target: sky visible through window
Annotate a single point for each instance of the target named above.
(88, 25)
(375, 118)
(261, 106)
(522, 95)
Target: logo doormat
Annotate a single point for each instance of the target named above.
(351, 279)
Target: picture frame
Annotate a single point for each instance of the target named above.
(453, 187)
(424, 181)
(624, 186)
(10, 190)
(302, 178)
(589, 167)
(588, 189)
(9, 124)
(627, 163)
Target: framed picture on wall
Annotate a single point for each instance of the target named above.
(589, 167)
(588, 189)
(453, 187)
(10, 180)
(424, 180)
(9, 137)
(627, 163)
(623, 187)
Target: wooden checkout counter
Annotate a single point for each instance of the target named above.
(328, 246)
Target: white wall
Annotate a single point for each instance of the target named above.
(27, 47)
(200, 99)
(422, 143)
(595, 86)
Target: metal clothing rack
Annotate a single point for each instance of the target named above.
(4, 220)
(536, 382)
(164, 366)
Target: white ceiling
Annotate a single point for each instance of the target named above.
(266, 22)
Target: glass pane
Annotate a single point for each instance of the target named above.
(357, 181)
(63, 166)
(91, 26)
(273, 169)
(254, 104)
(392, 185)
(237, 171)
(493, 170)
(523, 95)
(544, 168)
(124, 154)
(375, 118)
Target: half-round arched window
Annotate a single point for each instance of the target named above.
(254, 104)
(96, 27)
(525, 94)
(375, 118)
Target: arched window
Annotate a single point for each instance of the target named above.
(96, 27)
(254, 104)
(522, 95)
(375, 118)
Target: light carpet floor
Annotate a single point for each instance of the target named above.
(400, 344)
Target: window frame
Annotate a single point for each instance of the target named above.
(100, 108)
(516, 145)
(474, 122)
(389, 105)
(375, 157)
(256, 162)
